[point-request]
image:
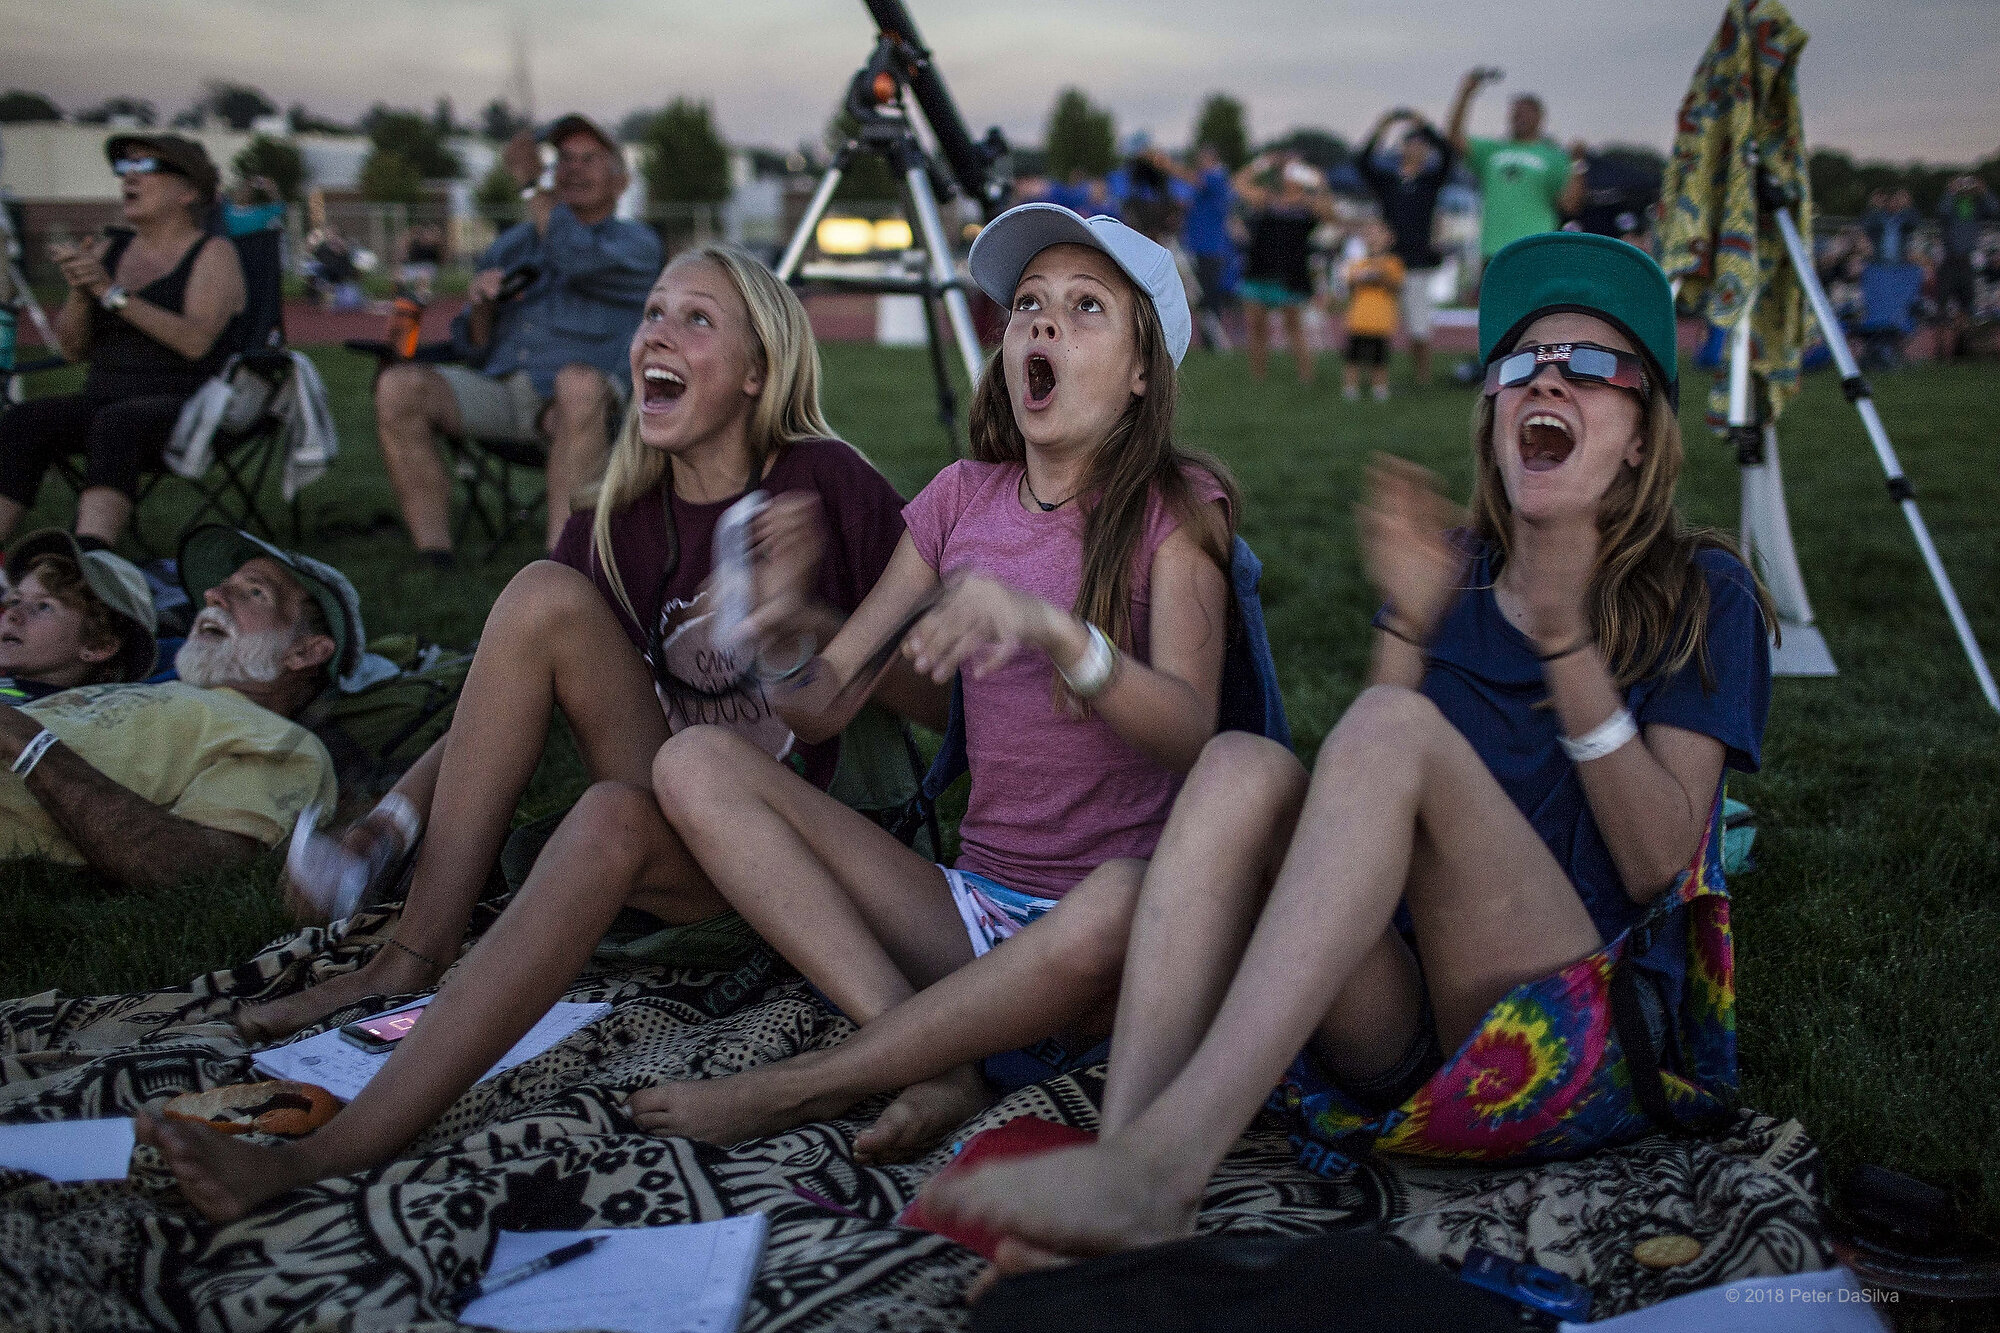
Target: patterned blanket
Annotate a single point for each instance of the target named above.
(549, 1144)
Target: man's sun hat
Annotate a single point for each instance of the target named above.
(1003, 248)
(210, 554)
(1558, 271)
(114, 581)
(575, 124)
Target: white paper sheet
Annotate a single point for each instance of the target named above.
(70, 1149)
(1828, 1302)
(343, 1069)
(684, 1279)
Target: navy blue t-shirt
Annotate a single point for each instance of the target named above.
(1485, 678)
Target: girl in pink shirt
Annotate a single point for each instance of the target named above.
(1074, 574)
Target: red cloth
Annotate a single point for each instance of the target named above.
(1023, 1136)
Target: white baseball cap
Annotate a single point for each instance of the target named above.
(1002, 250)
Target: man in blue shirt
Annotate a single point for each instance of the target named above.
(1205, 235)
(545, 366)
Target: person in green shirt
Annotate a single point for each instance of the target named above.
(1526, 181)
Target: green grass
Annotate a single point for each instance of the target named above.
(1866, 937)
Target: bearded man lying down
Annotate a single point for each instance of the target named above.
(151, 783)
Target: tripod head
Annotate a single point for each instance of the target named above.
(901, 56)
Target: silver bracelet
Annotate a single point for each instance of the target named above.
(1093, 673)
(1601, 739)
(31, 753)
(806, 655)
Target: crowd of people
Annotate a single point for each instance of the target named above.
(1560, 679)
(1276, 239)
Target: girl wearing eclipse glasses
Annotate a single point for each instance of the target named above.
(1490, 925)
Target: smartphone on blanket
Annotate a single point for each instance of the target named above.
(379, 1034)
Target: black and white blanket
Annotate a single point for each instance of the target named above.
(550, 1145)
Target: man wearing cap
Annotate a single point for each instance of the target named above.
(156, 310)
(544, 366)
(149, 784)
(71, 617)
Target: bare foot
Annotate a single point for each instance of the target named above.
(751, 1105)
(921, 1115)
(222, 1176)
(1014, 1256)
(1087, 1200)
(389, 972)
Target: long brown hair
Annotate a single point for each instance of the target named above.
(786, 411)
(1648, 598)
(1136, 459)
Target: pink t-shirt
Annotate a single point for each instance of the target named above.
(1053, 797)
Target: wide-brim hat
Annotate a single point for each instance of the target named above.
(1557, 271)
(183, 157)
(211, 553)
(1004, 247)
(114, 581)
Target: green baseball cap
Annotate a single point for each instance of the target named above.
(210, 554)
(1572, 270)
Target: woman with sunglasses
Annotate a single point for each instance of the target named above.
(614, 631)
(1554, 697)
(154, 309)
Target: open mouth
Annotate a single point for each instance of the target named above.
(1041, 377)
(662, 386)
(1545, 442)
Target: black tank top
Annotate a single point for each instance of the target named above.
(128, 363)
(1281, 248)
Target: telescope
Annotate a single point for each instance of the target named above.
(884, 127)
(974, 165)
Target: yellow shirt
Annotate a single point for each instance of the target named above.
(1374, 281)
(209, 756)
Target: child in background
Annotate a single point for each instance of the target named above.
(1375, 280)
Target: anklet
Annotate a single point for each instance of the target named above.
(433, 964)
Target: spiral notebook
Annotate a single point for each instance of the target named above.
(682, 1279)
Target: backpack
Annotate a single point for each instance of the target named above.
(377, 732)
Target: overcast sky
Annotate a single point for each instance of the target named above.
(1903, 79)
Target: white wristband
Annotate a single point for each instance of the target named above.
(1093, 673)
(31, 753)
(1602, 739)
(402, 813)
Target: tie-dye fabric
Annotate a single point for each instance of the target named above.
(1544, 1075)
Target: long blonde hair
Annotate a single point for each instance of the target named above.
(1137, 458)
(1648, 597)
(787, 410)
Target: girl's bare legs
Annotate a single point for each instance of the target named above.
(1060, 974)
(613, 848)
(550, 642)
(1257, 328)
(1400, 807)
(865, 919)
(1295, 334)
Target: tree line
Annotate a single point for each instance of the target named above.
(686, 159)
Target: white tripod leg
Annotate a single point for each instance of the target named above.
(1799, 649)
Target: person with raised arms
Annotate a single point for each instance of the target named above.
(1554, 697)
(1078, 562)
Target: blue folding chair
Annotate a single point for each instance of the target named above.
(1890, 294)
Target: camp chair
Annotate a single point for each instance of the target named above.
(483, 468)
(250, 441)
(1889, 296)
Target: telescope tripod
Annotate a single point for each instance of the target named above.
(876, 102)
